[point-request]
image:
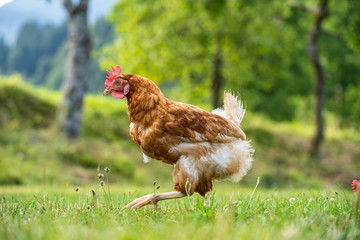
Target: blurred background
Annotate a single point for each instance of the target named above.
(296, 64)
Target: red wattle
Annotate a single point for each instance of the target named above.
(118, 94)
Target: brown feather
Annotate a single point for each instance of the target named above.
(159, 125)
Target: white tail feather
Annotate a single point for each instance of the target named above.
(233, 108)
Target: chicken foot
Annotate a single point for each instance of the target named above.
(153, 198)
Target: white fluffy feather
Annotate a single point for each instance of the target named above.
(146, 158)
(233, 108)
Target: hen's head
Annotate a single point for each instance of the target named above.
(116, 83)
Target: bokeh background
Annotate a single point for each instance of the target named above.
(193, 50)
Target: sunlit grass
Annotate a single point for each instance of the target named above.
(50, 209)
(234, 213)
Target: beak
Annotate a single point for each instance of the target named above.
(107, 92)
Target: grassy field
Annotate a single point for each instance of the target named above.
(40, 170)
(234, 213)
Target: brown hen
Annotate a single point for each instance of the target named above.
(202, 146)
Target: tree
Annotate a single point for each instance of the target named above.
(4, 52)
(180, 43)
(51, 63)
(32, 55)
(336, 39)
(320, 14)
(27, 51)
(262, 52)
(202, 47)
(76, 70)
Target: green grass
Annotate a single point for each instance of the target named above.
(234, 213)
(36, 156)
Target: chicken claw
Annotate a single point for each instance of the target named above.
(143, 201)
(153, 198)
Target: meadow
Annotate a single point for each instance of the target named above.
(234, 213)
(193, 50)
(296, 198)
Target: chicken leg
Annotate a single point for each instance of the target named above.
(153, 198)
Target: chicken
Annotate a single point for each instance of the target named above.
(202, 146)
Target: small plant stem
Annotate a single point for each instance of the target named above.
(107, 180)
(252, 194)
(43, 208)
(97, 179)
(188, 189)
(107, 198)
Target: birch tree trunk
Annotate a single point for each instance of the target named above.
(76, 68)
(319, 15)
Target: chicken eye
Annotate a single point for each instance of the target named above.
(117, 82)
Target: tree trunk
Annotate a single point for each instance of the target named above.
(217, 77)
(76, 69)
(320, 15)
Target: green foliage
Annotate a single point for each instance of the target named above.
(352, 29)
(351, 107)
(18, 107)
(265, 55)
(173, 49)
(53, 79)
(263, 46)
(234, 213)
(108, 113)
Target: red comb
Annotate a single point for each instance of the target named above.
(112, 75)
